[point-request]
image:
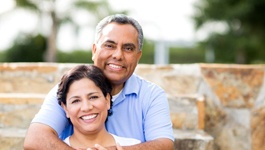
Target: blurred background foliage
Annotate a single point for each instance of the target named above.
(27, 48)
(241, 42)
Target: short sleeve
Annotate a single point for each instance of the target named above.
(51, 113)
(157, 120)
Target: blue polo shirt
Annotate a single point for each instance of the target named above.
(141, 111)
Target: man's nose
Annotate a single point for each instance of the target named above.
(117, 54)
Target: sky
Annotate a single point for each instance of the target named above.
(168, 20)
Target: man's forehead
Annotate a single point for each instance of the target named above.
(113, 32)
(116, 27)
(108, 28)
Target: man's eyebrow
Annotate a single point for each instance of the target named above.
(129, 44)
(124, 45)
(110, 41)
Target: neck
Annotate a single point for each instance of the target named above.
(116, 88)
(82, 140)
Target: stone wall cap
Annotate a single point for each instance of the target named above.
(192, 134)
(239, 66)
(12, 132)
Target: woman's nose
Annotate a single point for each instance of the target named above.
(86, 106)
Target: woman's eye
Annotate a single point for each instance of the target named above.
(75, 101)
(93, 97)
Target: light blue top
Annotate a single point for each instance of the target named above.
(141, 111)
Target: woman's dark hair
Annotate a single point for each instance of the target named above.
(84, 71)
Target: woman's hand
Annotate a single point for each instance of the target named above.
(99, 147)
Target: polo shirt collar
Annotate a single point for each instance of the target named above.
(131, 86)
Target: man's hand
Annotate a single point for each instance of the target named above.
(158, 144)
(99, 147)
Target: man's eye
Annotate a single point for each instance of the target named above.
(129, 48)
(109, 45)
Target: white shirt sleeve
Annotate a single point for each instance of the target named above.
(125, 141)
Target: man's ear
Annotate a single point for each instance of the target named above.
(93, 57)
(94, 49)
(65, 109)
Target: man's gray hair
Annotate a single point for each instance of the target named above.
(120, 19)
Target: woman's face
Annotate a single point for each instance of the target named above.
(86, 106)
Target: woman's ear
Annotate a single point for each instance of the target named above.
(65, 109)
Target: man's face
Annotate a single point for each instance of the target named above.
(116, 52)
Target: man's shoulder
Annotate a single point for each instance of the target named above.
(145, 83)
(140, 79)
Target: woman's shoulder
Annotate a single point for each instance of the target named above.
(123, 141)
(67, 141)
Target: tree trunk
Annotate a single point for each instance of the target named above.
(51, 51)
(240, 56)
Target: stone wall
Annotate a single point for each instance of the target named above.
(213, 106)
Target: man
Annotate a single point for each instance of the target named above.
(140, 108)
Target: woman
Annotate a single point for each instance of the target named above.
(84, 94)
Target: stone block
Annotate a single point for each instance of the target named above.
(27, 77)
(12, 138)
(17, 110)
(193, 140)
(187, 112)
(235, 86)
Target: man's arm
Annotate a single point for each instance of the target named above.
(45, 126)
(158, 144)
(43, 137)
(156, 128)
